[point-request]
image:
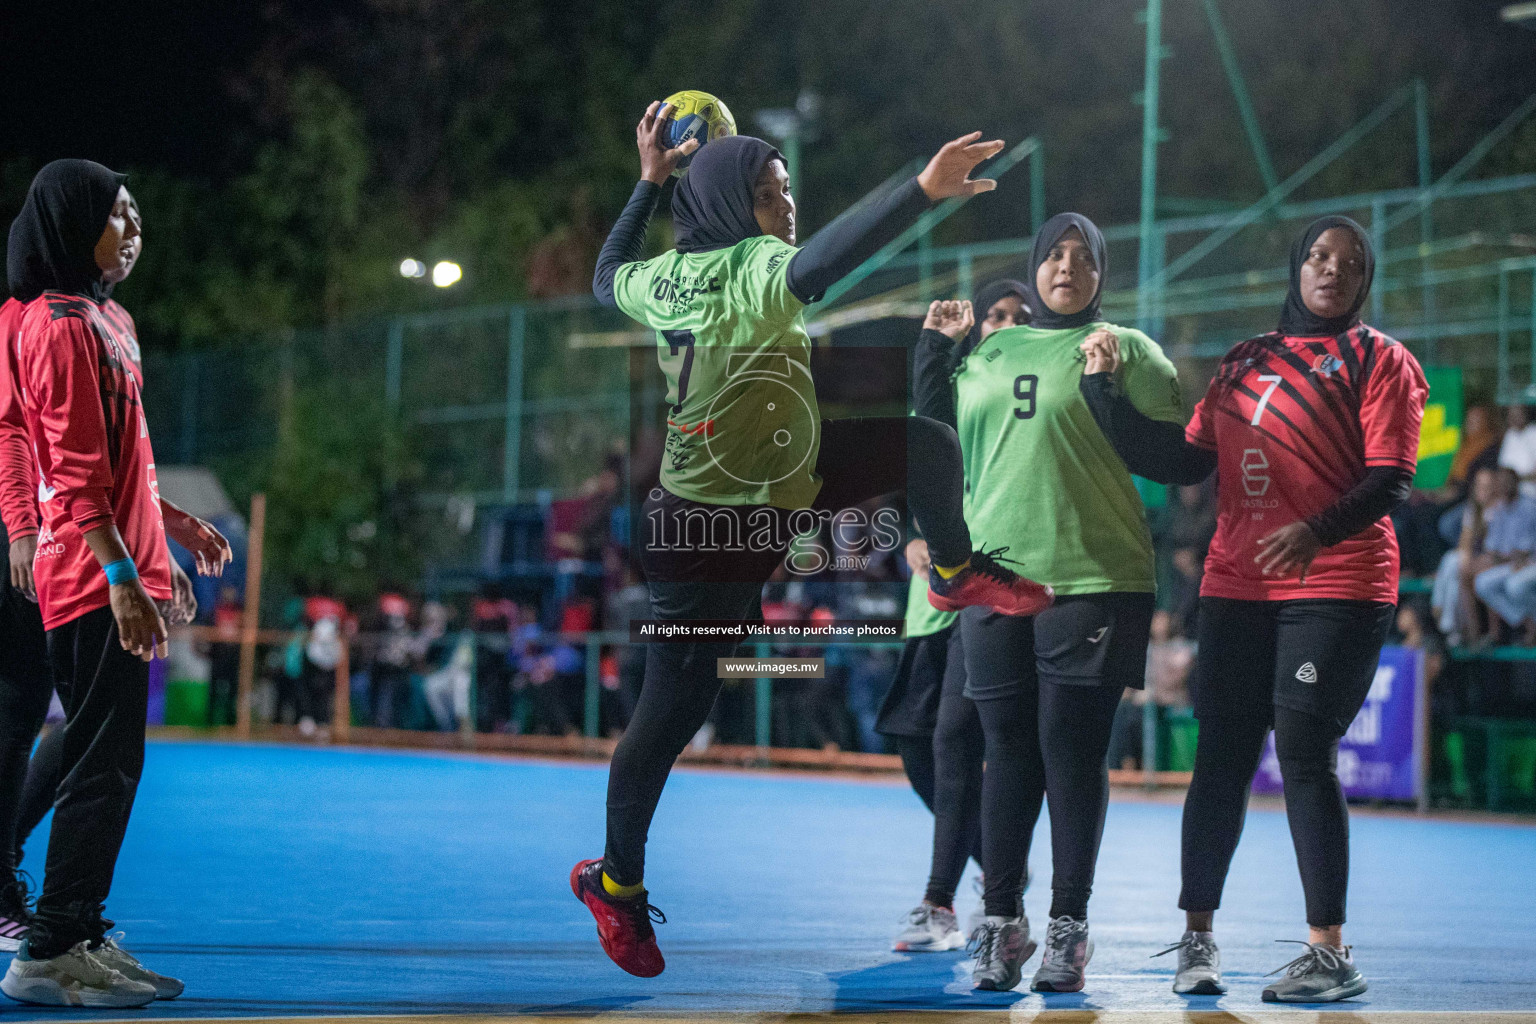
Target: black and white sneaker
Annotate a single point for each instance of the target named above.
(15, 911)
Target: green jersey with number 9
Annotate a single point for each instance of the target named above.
(1041, 477)
(743, 427)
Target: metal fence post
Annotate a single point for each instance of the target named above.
(591, 705)
(511, 456)
(764, 704)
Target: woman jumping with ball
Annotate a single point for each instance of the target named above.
(748, 462)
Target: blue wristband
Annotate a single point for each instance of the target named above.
(121, 571)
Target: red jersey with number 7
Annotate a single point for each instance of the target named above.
(76, 365)
(1295, 423)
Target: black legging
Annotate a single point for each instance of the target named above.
(859, 459)
(26, 685)
(1226, 759)
(1072, 724)
(42, 784)
(945, 771)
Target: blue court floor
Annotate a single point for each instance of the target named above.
(289, 882)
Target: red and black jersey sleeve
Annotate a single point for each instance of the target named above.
(18, 475)
(1392, 408)
(1200, 431)
(65, 377)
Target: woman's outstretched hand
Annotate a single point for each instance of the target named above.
(948, 173)
(951, 319)
(1102, 349)
(657, 162)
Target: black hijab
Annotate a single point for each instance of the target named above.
(986, 297)
(53, 240)
(1296, 320)
(1050, 233)
(712, 203)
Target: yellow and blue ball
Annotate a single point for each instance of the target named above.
(696, 115)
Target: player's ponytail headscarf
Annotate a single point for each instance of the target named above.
(52, 244)
(986, 297)
(1296, 320)
(1050, 233)
(712, 204)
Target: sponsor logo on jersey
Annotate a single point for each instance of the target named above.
(1307, 673)
(1327, 365)
(1255, 479)
(47, 545)
(1098, 634)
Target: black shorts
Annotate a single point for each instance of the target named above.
(911, 705)
(1316, 656)
(1081, 640)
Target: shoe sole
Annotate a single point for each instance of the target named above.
(954, 940)
(987, 985)
(1332, 995)
(44, 992)
(944, 604)
(1203, 987)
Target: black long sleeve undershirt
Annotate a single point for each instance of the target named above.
(831, 255)
(1158, 451)
(932, 364)
(853, 238)
(1155, 449)
(626, 242)
(1381, 490)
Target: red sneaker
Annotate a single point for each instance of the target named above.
(623, 926)
(987, 581)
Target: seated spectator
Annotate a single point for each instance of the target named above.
(1170, 658)
(1518, 449)
(1508, 583)
(1419, 634)
(1429, 522)
(1452, 601)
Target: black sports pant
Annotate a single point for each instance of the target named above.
(105, 692)
(945, 771)
(1046, 688)
(43, 773)
(26, 684)
(859, 459)
(1305, 668)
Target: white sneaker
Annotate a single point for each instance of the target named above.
(929, 929)
(126, 964)
(75, 978)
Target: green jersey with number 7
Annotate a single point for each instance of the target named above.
(743, 427)
(1040, 475)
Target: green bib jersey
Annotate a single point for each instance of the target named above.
(1041, 478)
(743, 427)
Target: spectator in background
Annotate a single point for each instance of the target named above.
(1170, 657)
(1419, 634)
(322, 653)
(1479, 446)
(1507, 585)
(1518, 449)
(1452, 600)
(391, 682)
(447, 688)
(224, 657)
(1184, 530)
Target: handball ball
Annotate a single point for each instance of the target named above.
(696, 115)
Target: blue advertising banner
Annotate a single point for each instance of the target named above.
(1379, 757)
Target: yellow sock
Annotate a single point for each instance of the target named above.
(945, 574)
(623, 892)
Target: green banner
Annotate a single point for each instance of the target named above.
(1441, 434)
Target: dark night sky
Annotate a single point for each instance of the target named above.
(141, 83)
